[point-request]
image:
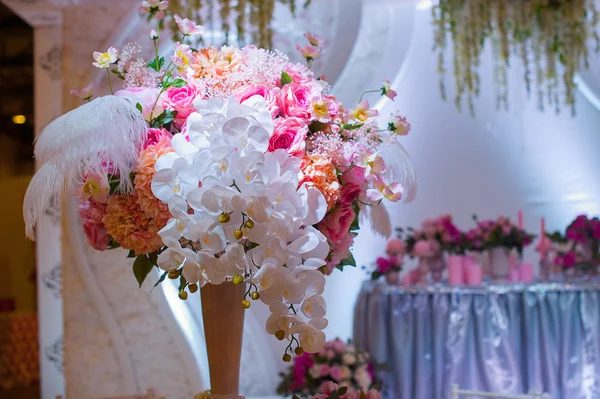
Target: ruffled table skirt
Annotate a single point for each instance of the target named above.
(508, 338)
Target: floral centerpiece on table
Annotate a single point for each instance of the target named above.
(390, 265)
(579, 247)
(499, 233)
(337, 362)
(225, 165)
(439, 235)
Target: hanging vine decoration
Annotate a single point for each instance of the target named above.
(551, 37)
(249, 20)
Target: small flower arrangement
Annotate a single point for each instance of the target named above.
(337, 363)
(395, 250)
(579, 247)
(435, 237)
(499, 233)
(330, 390)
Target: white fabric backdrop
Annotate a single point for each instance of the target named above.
(494, 164)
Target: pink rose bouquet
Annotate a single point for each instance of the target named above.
(435, 236)
(338, 363)
(579, 247)
(226, 165)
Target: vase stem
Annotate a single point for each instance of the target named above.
(223, 317)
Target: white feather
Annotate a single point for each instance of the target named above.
(380, 220)
(399, 167)
(106, 131)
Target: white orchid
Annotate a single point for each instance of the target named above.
(246, 217)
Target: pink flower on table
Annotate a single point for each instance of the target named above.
(156, 135)
(309, 52)
(399, 125)
(180, 99)
(314, 40)
(156, 8)
(422, 248)
(324, 370)
(189, 28)
(271, 96)
(385, 264)
(335, 373)
(290, 135)
(295, 100)
(362, 112)
(387, 91)
(395, 246)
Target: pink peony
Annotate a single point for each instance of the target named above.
(295, 100)
(395, 246)
(155, 135)
(180, 99)
(271, 96)
(290, 135)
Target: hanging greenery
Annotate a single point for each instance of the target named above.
(248, 20)
(551, 37)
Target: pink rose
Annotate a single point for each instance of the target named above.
(295, 100)
(336, 224)
(332, 105)
(299, 73)
(154, 136)
(180, 99)
(146, 97)
(350, 193)
(324, 370)
(328, 387)
(270, 95)
(422, 248)
(96, 235)
(355, 175)
(395, 246)
(290, 135)
(335, 373)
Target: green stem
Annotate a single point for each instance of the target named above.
(156, 45)
(162, 90)
(368, 91)
(110, 82)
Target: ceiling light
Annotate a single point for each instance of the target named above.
(424, 4)
(19, 119)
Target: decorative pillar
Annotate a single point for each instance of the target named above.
(48, 106)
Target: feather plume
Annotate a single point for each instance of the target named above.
(104, 135)
(380, 221)
(399, 167)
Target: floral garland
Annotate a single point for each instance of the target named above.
(550, 37)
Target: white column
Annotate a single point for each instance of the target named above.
(48, 106)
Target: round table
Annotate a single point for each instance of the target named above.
(503, 338)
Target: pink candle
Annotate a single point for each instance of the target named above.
(520, 219)
(474, 274)
(456, 270)
(543, 228)
(526, 272)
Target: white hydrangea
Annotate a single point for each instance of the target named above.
(238, 211)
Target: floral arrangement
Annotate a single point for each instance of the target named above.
(337, 362)
(225, 165)
(499, 233)
(579, 247)
(333, 391)
(550, 37)
(395, 251)
(435, 236)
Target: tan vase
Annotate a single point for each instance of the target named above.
(223, 317)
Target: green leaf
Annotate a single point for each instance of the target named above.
(160, 280)
(141, 267)
(139, 107)
(349, 126)
(285, 78)
(153, 257)
(113, 184)
(342, 391)
(161, 62)
(349, 261)
(119, 74)
(131, 254)
(178, 82)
